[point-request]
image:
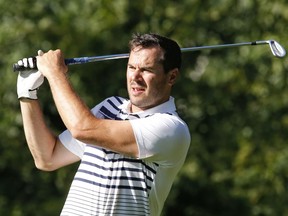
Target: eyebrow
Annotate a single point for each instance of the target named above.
(143, 68)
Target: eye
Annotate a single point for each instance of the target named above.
(148, 70)
(131, 67)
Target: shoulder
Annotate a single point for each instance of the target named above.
(162, 137)
(164, 127)
(173, 124)
(171, 119)
(167, 121)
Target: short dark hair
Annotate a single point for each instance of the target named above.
(172, 51)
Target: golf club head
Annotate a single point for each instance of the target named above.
(276, 49)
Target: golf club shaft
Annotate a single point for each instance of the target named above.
(83, 60)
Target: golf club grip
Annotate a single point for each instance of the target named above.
(19, 68)
(70, 61)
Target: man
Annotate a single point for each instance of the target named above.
(130, 150)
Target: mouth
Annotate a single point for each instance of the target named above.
(137, 90)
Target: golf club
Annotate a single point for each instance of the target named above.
(276, 49)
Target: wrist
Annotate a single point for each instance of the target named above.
(24, 99)
(56, 78)
(27, 94)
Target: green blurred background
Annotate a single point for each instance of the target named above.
(234, 100)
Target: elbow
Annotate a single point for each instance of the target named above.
(48, 167)
(76, 133)
(79, 133)
(83, 129)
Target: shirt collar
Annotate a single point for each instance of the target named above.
(168, 106)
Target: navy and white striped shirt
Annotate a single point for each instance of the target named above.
(108, 183)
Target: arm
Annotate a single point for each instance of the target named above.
(47, 151)
(117, 136)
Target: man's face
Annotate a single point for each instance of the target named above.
(147, 84)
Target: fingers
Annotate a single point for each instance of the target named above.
(27, 62)
(20, 62)
(31, 62)
(40, 52)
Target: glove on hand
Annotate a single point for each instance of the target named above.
(29, 80)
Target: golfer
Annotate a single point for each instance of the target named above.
(130, 150)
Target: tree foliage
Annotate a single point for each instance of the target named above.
(234, 100)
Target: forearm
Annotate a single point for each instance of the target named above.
(73, 111)
(40, 139)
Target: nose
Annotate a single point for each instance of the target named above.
(136, 74)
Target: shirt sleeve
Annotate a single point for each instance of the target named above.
(75, 146)
(162, 138)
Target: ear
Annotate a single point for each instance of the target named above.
(172, 76)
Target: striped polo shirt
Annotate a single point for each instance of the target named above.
(108, 183)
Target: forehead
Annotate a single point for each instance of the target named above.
(143, 56)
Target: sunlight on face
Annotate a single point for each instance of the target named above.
(147, 84)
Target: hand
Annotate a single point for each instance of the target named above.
(51, 64)
(29, 81)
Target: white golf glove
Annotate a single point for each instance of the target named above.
(30, 80)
